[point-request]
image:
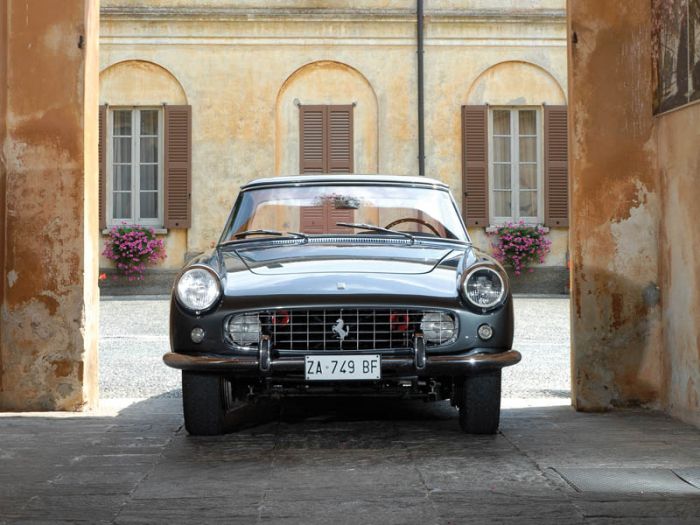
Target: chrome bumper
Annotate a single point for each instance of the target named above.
(448, 365)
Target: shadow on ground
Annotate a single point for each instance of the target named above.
(340, 461)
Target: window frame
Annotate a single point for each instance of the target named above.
(135, 173)
(495, 220)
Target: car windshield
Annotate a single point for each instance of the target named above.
(345, 209)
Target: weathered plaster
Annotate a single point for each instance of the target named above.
(616, 334)
(49, 308)
(679, 159)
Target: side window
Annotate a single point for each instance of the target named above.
(515, 165)
(135, 166)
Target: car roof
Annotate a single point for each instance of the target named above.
(345, 179)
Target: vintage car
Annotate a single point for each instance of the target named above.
(334, 285)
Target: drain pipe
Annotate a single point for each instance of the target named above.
(421, 123)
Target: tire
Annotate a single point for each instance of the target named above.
(480, 403)
(206, 399)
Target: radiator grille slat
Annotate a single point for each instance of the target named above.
(347, 329)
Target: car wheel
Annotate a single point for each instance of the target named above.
(206, 399)
(480, 403)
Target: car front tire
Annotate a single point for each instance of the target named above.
(480, 403)
(206, 399)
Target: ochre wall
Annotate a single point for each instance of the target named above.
(50, 304)
(234, 70)
(617, 353)
(678, 136)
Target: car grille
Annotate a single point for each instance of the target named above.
(347, 329)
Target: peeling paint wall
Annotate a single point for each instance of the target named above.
(617, 356)
(49, 317)
(678, 136)
(242, 73)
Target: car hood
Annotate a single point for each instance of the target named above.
(300, 274)
(294, 259)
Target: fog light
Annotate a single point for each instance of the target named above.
(244, 329)
(437, 327)
(197, 334)
(485, 332)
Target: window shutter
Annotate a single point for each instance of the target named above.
(475, 180)
(102, 166)
(178, 166)
(556, 169)
(312, 126)
(340, 142)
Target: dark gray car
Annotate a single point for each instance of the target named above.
(342, 285)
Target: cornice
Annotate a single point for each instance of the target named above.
(142, 13)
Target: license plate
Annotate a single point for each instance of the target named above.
(344, 367)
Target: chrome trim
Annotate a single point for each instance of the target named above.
(419, 352)
(484, 266)
(264, 356)
(217, 278)
(310, 328)
(450, 365)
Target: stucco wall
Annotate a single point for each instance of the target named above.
(238, 73)
(50, 308)
(679, 162)
(616, 321)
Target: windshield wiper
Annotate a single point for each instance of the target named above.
(375, 228)
(275, 233)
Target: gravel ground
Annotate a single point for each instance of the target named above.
(134, 336)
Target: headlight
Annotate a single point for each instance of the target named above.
(484, 287)
(198, 289)
(437, 327)
(244, 330)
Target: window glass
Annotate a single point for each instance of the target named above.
(136, 163)
(319, 209)
(515, 164)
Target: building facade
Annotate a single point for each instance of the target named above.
(199, 97)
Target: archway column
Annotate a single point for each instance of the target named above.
(617, 354)
(50, 303)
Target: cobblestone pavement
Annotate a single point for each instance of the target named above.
(134, 336)
(340, 463)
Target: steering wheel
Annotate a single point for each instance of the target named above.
(411, 219)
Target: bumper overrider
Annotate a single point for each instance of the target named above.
(419, 363)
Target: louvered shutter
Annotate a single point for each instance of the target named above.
(335, 215)
(313, 219)
(178, 166)
(102, 166)
(340, 141)
(312, 131)
(556, 169)
(475, 181)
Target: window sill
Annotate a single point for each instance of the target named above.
(493, 228)
(157, 231)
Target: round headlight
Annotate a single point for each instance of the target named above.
(437, 327)
(484, 287)
(198, 289)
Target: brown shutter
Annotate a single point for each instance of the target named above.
(312, 139)
(340, 141)
(178, 166)
(556, 171)
(475, 180)
(313, 219)
(102, 166)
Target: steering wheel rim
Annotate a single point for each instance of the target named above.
(412, 219)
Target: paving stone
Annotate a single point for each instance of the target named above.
(325, 463)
